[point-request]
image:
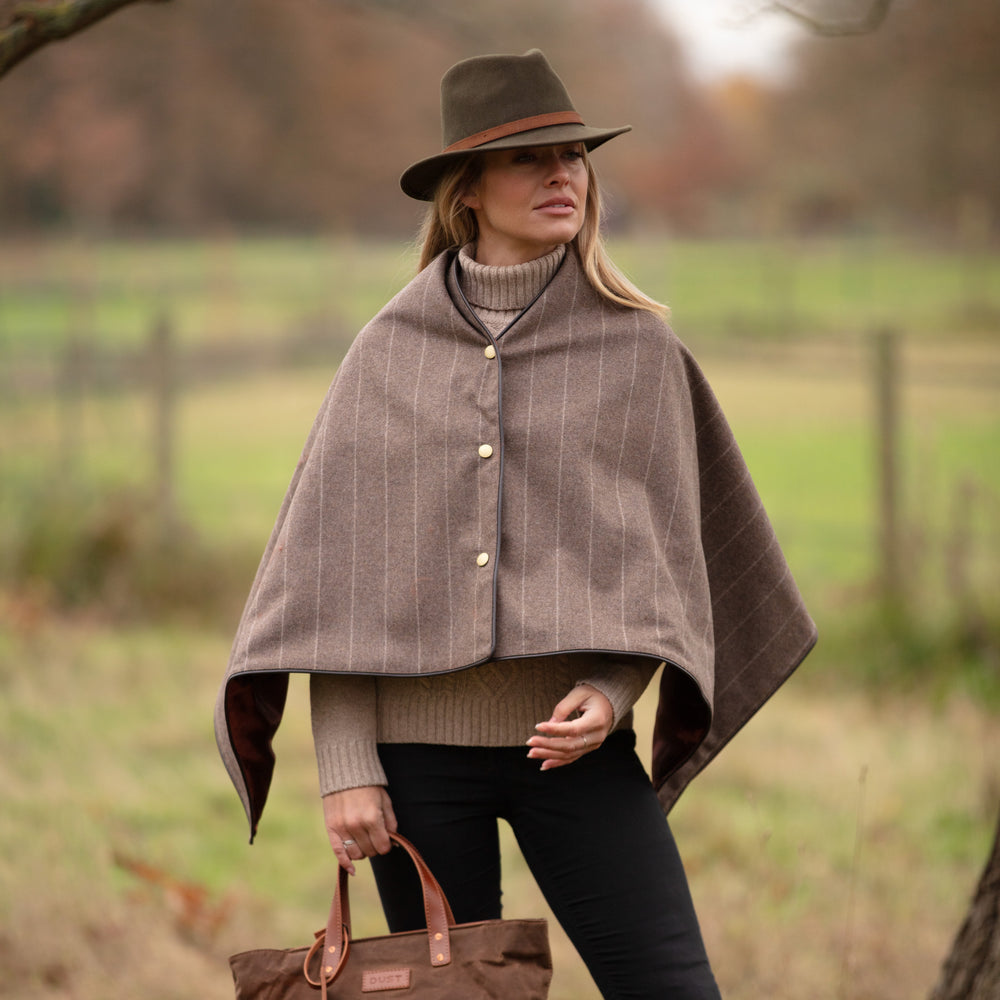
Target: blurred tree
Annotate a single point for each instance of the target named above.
(27, 25)
(972, 970)
(899, 124)
(248, 113)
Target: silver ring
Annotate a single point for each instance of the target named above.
(585, 743)
(349, 843)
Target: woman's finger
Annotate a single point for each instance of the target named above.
(357, 823)
(584, 711)
(562, 740)
(389, 818)
(564, 746)
(340, 850)
(561, 750)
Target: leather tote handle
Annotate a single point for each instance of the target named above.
(335, 941)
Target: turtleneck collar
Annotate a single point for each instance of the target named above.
(500, 293)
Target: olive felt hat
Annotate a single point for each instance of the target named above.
(501, 102)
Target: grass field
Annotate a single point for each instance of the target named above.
(798, 393)
(245, 291)
(831, 849)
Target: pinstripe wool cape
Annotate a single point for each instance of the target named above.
(569, 485)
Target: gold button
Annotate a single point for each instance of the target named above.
(490, 352)
(482, 559)
(486, 451)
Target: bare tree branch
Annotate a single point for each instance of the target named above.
(34, 23)
(863, 24)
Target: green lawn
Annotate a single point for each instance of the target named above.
(239, 291)
(807, 435)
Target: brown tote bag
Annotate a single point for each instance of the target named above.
(501, 959)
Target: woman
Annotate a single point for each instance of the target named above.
(519, 499)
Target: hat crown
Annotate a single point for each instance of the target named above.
(487, 92)
(500, 102)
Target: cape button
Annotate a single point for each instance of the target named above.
(486, 451)
(482, 559)
(490, 352)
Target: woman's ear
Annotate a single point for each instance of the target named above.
(471, 200)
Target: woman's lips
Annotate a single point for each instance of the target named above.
(557, 206)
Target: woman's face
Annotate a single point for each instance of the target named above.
(527, 201)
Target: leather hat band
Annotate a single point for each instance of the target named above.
(511, 128)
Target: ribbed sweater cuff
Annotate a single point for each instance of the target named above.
(348, 765)
(622, 684)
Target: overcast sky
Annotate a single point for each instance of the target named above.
(720, 39)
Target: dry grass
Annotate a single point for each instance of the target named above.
(831, 849)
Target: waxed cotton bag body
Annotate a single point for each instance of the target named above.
(488, 959)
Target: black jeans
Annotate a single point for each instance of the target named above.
(594, 836)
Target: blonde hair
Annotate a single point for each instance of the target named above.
(449, 224)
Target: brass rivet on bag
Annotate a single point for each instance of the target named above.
(438, 936)
(440, 958)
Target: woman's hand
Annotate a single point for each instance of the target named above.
(560, 742)
(358, 823)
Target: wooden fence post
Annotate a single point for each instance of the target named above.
(163, 386)
(75, 365)
(70, 393)
(887, 431)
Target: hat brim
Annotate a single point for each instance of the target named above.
(420, 180)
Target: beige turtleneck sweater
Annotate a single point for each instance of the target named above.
(500, 294)
(498, 703)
